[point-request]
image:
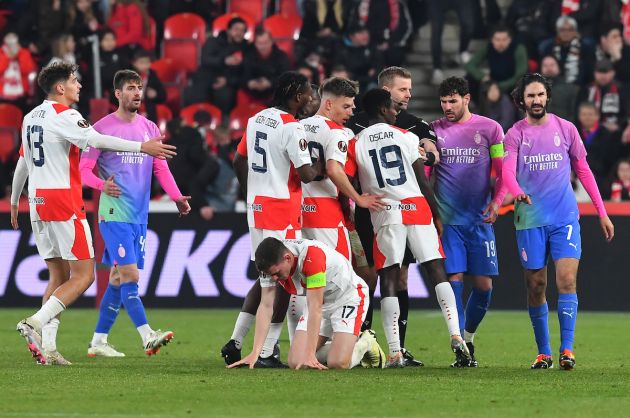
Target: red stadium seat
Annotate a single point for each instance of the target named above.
(288, 7)
(164, 115)
(220, 24)
(174, 80)
(254, 8)
(10, 125)
(184, 35)
(152, 32)
(187, 114)
(239, 117)
(285, 30)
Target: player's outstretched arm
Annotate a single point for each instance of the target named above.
(263, 323)
(427, 191)
(586, 177)
(336, 173)
(19, 179)
(240, 168)
(314, 302)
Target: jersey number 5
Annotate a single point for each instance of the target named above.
(260, 136)
(397, 162)
(37, 142)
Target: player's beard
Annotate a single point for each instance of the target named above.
(533, 115)
(132, 107)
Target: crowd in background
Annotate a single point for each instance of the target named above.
(583, 46)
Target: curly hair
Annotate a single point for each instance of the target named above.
(374, 100)
(454, 85)
(518, 93)
(288, 86)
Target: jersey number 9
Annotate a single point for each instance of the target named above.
(397, 162)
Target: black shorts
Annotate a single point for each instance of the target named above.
(365, 230)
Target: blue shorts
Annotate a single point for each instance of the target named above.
(558, 240)
(124, 243)
(470, 249)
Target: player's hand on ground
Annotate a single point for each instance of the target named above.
(14, 216)
(183, 206)
(491, 212)
(311, 362)
(607, 228)
(524, 198)
(110, 188)
(369, 201)
(249, 360)
(156, 148)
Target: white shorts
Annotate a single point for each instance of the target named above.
(390, 242)
(336, 238)
(347, 318)
(70, 240)
(257, 235)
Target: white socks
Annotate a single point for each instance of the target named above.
(390, 312)
(241, 328)
(469, 336)
(144, 330)
(48, 311)
(272, 338)
(446, 299)
(297, 306)
(361, 347)
(49, 335)
(322, 353)
(98, 339)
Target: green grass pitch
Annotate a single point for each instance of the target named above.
(188, 377)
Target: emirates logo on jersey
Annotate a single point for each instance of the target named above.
(343, 147)
(83, 123)
(303, 144)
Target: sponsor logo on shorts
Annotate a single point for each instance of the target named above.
(38, 200)
(405, 207)
(309, 208)
(523, 254)
(256, 207)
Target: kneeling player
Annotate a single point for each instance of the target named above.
(336, 305)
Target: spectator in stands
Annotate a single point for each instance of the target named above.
(111, 60)
(262, 65)
(85, 21)
(16, 66)
(564, 95)
(437, 13)
(601, 145)
(587, 14)
(506, 62)
(575, 56)
(63, 49)
(41, 23)
(612, 48)
(389, 24)
(496, 105)
(130, 21)
(620, 188)
(609, 97)
(323, 23)
(340, 70)
(154, 91)
(309, 72)
(531, 21)
(221, 68)
(362, 60)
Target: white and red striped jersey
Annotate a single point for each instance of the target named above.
(382, 155)
(316, 266)
(52, 135)
(327, 140)
(274, 144)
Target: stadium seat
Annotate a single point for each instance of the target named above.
(220, 24)
(152, 32)
(184, 35)
(173, 79)
(288, 7)
(187, 114)
(239, 117)
(254, 8)
(285, 30)
(164, 115)
(10, 125)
